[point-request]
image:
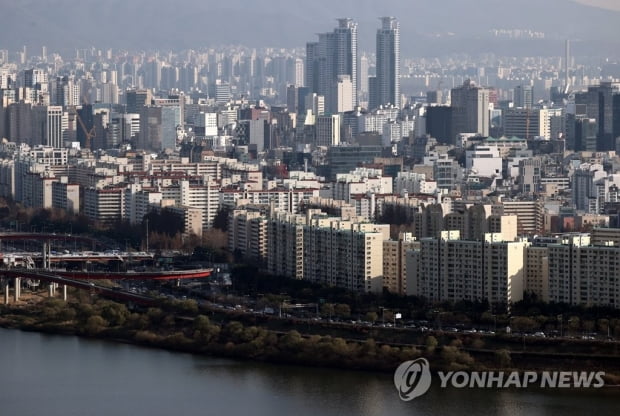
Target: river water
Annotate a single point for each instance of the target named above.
(56, 375)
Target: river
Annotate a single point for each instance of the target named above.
(55, 375)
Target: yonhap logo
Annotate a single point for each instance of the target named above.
(412, 379)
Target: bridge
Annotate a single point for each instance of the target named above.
(17, 258)
(83, 280)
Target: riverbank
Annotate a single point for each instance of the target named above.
(183, 326)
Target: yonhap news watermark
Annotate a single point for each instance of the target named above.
(413, 379)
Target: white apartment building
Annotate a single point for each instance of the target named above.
(103, 205)
(413, 183)
(537, 272)
(139, 201)
(208, 121)
(344, 254)
(484, 161)
(451, 269)
(66, 196)
(285, 200)
(322, 249)
(285, 239)
(247, 234)
(583, 274)
(361, 181)
(192, 218)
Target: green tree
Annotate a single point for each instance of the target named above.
(95, 324)
(523, 323)
(327, 310)
(165, 221)
(189, 306)
(67, 314)
(233, 331)
(342, 310)
(574, 323)
(115, 313)
(431, 344)
(502, 358)
(372, 317)
(369, 347)
(146, 337)
(138, 321)
(220, 221)
(291, 341)
(201, 323)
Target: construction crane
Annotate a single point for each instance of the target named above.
(89, 134)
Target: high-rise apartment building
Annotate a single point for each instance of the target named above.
(395, 264)
(335, 54)
(388, 64)
(582, 274)
(451, 269)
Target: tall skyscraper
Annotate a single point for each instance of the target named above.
(35, 78)
(312, 66)
(470, 109)
(523, 96)
(292, 99)
(295, 71)
(334, 55)
(47, 125)
(151, 134)
(136, 99)
(598, 103)
(65, 91)
(388, 63)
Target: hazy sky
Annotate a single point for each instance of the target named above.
(178, 24)
(604, 4)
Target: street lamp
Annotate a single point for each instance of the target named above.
(147, 235)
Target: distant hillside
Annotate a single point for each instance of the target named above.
(147, 24)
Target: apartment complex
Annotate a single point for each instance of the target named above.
(451, 269)
(314, 247)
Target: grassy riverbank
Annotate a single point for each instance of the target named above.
(183, 326)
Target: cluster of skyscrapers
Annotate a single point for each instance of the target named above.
(332, 67)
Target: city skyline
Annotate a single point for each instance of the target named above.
(437, 28)
(423, 186)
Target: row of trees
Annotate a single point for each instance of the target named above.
(180, 325)
(183, 325)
